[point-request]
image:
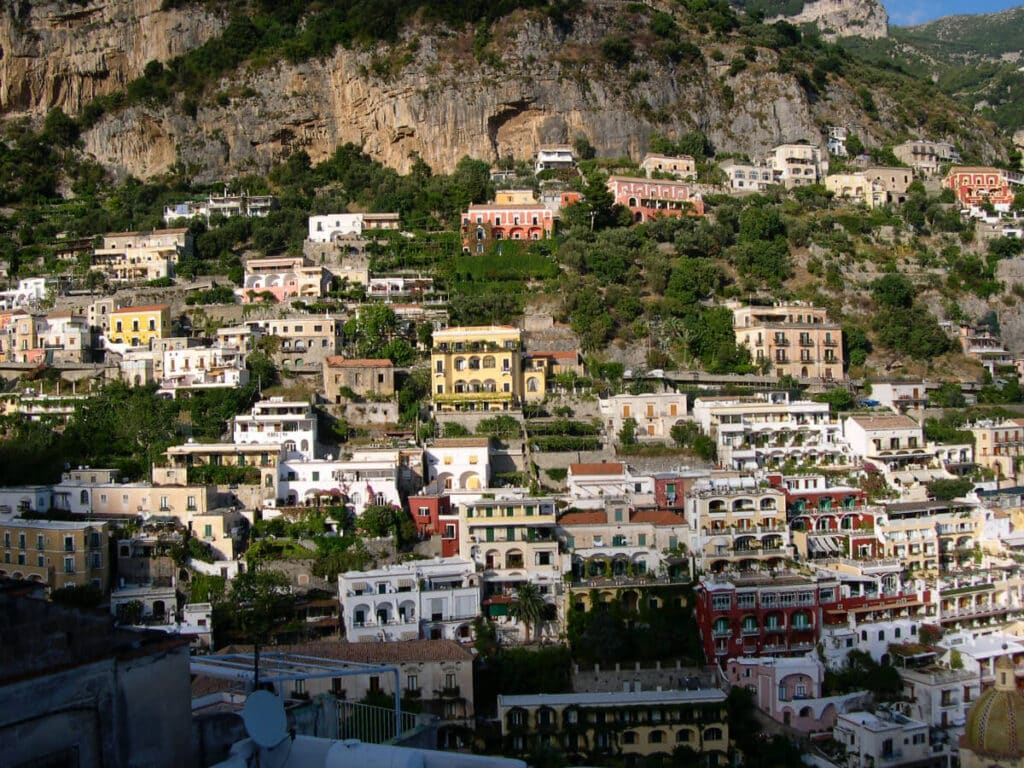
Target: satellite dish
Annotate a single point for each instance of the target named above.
(264, 719)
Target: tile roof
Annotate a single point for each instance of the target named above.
(371, 653)
(657, 517)
(604, 468)
(893, 421)
(462, 442)
(595, 517)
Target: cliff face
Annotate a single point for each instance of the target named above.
(56, 54)
(550, 86)
(845, 18)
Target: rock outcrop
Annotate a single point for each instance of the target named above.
(844, 18)
(62, 54)
(551, 85)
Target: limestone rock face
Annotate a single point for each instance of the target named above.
(55, 53)
(845, 18)
(551, 85)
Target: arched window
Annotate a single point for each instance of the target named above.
(656, 737)
(531, 385)
(84, 497)
(488, 361)
(713, 734)
(629, 737)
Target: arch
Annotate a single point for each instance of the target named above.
(717, 505)
(492, 559)
(743, 504)
(768, 503)
(712, 734)
(304, 445)
(488, 361)
(532, 384)
(83, 497)
(629, 737)
(656, 737)
(407, 611)
(159, 609)
(469, 480)
(684, 736)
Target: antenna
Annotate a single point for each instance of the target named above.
(264, 719)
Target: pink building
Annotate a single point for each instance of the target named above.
(647, 198)
(283, 278)
(483, 224)
(789, 691)
(976, 185)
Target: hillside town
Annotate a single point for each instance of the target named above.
(793, 533)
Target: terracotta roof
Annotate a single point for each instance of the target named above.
(657, 517)
(645, 180)
(371, 653)
(556, 355)
(146, 308)
(604, 468)
(337, 361)
(595, 517)
(176, 231)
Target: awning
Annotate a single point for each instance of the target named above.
(499, 609)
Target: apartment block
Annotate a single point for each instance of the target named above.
(428, 599)
(768, 430)
(630, 723)
(139, 326)
(137, 257)
(284, 279)
(57, 554)
(791, 339)
(883, 737)
(332, 227)
(289, 423)
(649, 198)
(928, 157)
(797, 165)
(480, 368)
(998, 445)
(762, 614)
(484, 225)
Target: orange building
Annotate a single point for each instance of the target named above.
(975, 185)
(483, 224)
(647, 198)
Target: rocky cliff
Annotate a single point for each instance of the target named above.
(429, 96)
(62, 54)
(845, 18)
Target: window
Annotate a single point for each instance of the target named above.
(450, 680)
(69, 564)
(423, 511)
(208, 531)
(69, 543)
(192, 503)
(618, 515)
(40, 541)
(412, 683)
(41, 561)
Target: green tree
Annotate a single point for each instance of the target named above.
(371, 329)
(627, 435)
(893, 290)
(262, 602)
(528, 607)
(946, 490)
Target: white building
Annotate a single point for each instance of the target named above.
(291, 424)
(900, 396)
(201, 367)
(654, 414)
(426, 599)
(797, 165)
(459, 463)
(595, 481)
(768, 430)
(30, 291)
(747, 177)
(224, 205)
(366, 478)
(554, 157)
(884, 436)
(333, 226)
(883, 738)
(940, 696)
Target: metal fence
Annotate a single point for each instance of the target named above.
(373, 725)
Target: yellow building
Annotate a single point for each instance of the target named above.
(514, 197)
(638, 723)
(138, 326)
(793, 339)
(59, 554)
(999, 446)
(480, 368)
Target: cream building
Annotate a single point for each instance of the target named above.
(58, 554)
(999, 445)
(679, 166)
(797, 165)
(791, 339)
(134, 257)
(481, 368)
(654, 414)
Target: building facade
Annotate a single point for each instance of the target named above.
(648, 198)
(791, 339)
(373, 377)
(678, 166)
(484, 225)
(58, 554)
(139, 326)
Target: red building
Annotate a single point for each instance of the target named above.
(647, 198)
(762, 614)
(975, 185)
(670, 490)
(483, 224)
(433, 516)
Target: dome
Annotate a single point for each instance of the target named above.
(995, 723)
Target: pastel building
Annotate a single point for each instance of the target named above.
(789, 690)
(925, 156)
(791, 339)
(648, 198)
(654, 415)
(428, 599)
(135, 257)
(747, 177)
(485, 224)
(283, 278)
(629, 723)
(457, 463)
(883, 737)
(292, 424)
(480, 368)
(678, 166)
(796, 165)
(555, 157)
(228, 206)
(57, 554)
(331, 227)
(139, 326)
(976, 185)
(999, 445)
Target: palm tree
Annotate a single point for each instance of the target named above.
(528, 607)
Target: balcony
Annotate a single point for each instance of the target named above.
(721, 632)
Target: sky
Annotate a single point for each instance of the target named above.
(907, 12)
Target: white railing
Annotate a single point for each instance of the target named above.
(374, 725)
